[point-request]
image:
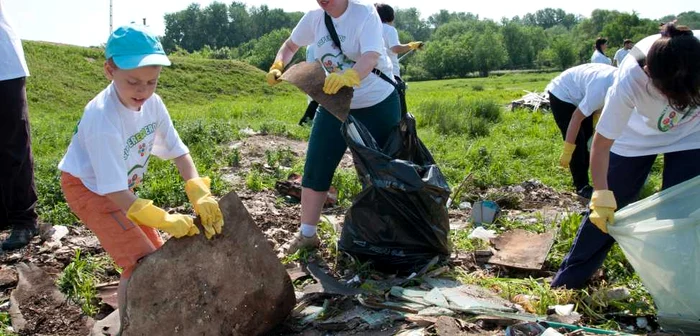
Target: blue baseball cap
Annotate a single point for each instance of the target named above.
(134, 46)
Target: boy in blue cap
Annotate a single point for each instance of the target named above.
(109, 153)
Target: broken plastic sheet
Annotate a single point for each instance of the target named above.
(399, 221)
(660, 236)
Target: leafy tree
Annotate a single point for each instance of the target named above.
(550, 17)
(409, 21)
(690, 19)
(261, 52)
(564, 53)
(489, 52)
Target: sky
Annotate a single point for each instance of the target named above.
(86, 22)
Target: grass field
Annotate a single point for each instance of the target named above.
(464, 123)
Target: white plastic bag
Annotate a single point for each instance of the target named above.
(660, 236)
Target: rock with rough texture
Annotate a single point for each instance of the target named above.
(8, 277)
(230, 285)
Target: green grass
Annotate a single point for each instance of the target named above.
(4, 324)
(79, 279)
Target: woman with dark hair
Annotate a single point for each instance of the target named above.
(601, 45)
(652, 108)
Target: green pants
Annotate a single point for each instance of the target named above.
(327, 145)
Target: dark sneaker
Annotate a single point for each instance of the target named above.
(18, 239)
(585, 192)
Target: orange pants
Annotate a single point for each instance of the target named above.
(123, 240)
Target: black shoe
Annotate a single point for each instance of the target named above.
(18, 239)
(585, 192)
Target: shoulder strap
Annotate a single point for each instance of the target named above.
(336, 41)
(331, 30)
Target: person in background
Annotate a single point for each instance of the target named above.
(391, 38)
(375, 102)
(652, 108)
(576, 97)
(622, 52)
(18, 196)
(601, 45)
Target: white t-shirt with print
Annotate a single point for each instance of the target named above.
(12, 62)
(620, 55)
(638, 117)
(112, 145)
(391, 39)
(584, 86)
(599, 57)
(360, 31)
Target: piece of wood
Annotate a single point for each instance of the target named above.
(521, 249)
(232, 284)
(309, 78)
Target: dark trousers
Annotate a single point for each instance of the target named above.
(562, 112)
(17, 191)
(626, 177)
(309, 113)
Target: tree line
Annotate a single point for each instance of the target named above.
(458, 44)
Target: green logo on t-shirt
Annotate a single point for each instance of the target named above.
(671, 118)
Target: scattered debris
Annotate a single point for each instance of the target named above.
(8, 278)
(485, 212)
(232, 284)
(483, 234)
(292, 188)
(108, 326)
(522, 249)
(531, 100)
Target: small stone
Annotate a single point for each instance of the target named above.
(465, 206)
(8, 277)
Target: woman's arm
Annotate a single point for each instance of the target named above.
(366, 63)
(574, 126)
(286, 51)
(600, 159)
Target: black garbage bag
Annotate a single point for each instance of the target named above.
(399, 221)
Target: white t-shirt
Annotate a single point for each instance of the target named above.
(391, 39)
(12, 62)
(584, 86)
(599, 57)
(638, 117)
(620, 55)
(359, 30)
(112, 145)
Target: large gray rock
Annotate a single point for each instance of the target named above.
(230, 285)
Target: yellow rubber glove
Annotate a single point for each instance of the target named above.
(415, 45)
(199, 192)
(275, 73)
(143, 212)
(335, 81)
(603, 207)
(566, 154)
(596, 117)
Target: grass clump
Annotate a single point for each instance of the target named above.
(80, 278)
(470, 117)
